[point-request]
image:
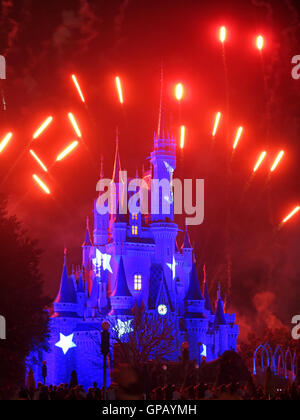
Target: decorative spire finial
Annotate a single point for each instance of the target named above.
(219, 291)
(102, 168)
(161, 102)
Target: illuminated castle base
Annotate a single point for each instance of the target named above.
(132, 259)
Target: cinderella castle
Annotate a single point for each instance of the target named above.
(130, 260)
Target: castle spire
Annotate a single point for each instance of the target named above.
(87, 240)
(219, 291)
(161, 128)
(207, 304)
(81, 288)
(117, 164)
(220, 316)
(102, 168)
(121, 286)
(194, 291)
(187, 242)
(66, 292)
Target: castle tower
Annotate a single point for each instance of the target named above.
(120, 184)
(187, 252)
(194, 301)
(196, 322)
(163, 228)
(87, 248)
(62, 325)
(221, 327)
(100, 220)
(121, 298)
(66, 300)
(81, 294)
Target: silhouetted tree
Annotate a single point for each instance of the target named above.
(147, 337)
(21, 298)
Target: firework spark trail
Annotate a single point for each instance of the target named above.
(5, 141)
(78, 88)
(83, 100)
(179, 92)
(41, 184)
(67, 151)
(292, 214)
(260, 42)
(35, 136)
(257, 165)
(74, 124)
(238, 137)
(216, 125)
(38, 160)
(260, 161)
(182, 136)
(91, 118)
(119, 90)
(121, 97)
(277, 161)
(42, 128)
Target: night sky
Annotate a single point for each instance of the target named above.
(45, 42)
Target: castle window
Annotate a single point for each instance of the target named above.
(134, 217)
(134, 230)
(137, 282)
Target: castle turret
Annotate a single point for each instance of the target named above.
(121, 298)
(186, 246)
(86, 247)
(66, 300)
(163, 159)
(101, 221)
(196, 322)
(119, 194)
(220, 316)
(81, 294)
(194, 292)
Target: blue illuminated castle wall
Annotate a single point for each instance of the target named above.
(133, 259)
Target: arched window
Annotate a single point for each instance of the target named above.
(137, 282)
(134, 230)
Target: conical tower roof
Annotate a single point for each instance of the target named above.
(220, 316)
(117, 164)
(121, 286)
(187, 242)
(81, 288)
(66, 292)
(87, 240)
(194, 291)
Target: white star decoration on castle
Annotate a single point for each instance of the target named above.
(173, 267)
(66, 343)
(171, 170)
(102, 259)
(123, 328)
